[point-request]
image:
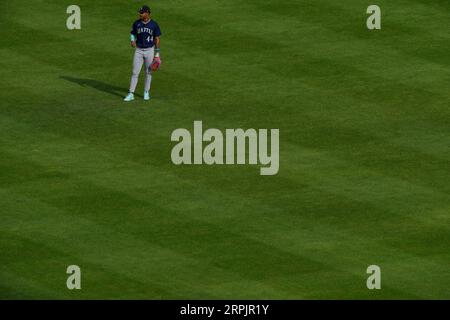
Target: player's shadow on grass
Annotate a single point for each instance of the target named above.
(98, 85)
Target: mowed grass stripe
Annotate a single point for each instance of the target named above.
(381, 185)
(76, 164)
(112, 246)
(199, 227)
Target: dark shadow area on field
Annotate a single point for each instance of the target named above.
(98, 85)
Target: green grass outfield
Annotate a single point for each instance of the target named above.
(364, 119)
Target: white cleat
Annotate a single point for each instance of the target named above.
(129, 97)
(146, 95)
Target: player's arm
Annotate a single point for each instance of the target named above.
(157, 46)
(157, 59)
(133, 35)
(157, 42)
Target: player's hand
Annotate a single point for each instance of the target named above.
(156, 64)
(133, 44)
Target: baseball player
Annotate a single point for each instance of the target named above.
(145, 35)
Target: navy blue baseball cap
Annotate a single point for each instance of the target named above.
(144, 9)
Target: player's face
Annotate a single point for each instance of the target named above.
(144, 16)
